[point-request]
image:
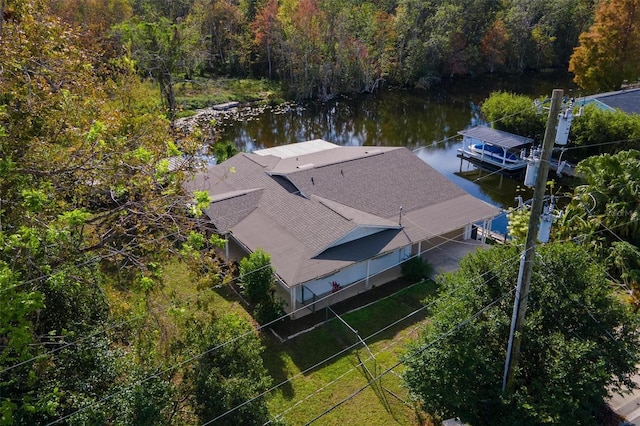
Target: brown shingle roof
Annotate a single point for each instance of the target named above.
(347, 191)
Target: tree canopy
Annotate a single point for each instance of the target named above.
(321, 48)
(596, 131)
(606, 208)
(92, 208)
(609, 52)
(579, 341)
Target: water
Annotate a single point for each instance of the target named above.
(425, 121)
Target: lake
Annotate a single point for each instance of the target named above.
(425, 121)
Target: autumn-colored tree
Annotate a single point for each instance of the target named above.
(93, 16)
(305, 44)
(609, 53)
(267, 29)
(493, 45)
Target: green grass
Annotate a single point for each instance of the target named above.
(315, 388)
(309, 384)
(180, 287)
(202, 93)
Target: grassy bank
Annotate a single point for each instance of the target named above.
(202, 93)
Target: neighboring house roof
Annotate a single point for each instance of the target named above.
(627, 100)
(496, 137)
(316, 207)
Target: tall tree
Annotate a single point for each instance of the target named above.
(221, 33)
(229, 374)
(158, 51)
(266, 28)
(493, 45)
(579, 341)
(88, 197)
(609, 52)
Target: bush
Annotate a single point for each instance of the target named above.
(416, 269)
(268, 310)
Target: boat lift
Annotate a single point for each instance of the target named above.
(507, 153)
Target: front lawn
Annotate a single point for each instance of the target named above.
(326, 366)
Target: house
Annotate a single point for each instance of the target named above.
(627, 100)
(333, 216)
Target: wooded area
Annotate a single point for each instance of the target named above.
(321, 48)
(96, 228)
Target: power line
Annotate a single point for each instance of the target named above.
(392, 368)
(414, 354)
(189, 360)
(166, 370)
(105, 329)
(350, 347)
(208, 351)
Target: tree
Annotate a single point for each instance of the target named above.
(600, 131)
(266, 28)
(256, 277)
(94, 17)
(609, 52)
(606, 208)
(220, 33)
(579, 341)
(493, 45)
(229, 373)
(223, 150)
(515, 114)
(158, 51)
(89, 203)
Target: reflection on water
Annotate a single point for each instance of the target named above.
(424, 121)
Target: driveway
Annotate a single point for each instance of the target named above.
(628, 406)
(445, 257)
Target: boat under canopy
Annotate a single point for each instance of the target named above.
(494, 149)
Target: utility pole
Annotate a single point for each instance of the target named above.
(527, 259)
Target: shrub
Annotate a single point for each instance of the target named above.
(416, 269)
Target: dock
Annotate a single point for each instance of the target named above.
(503, 152)
(484, 233)
(225, 106)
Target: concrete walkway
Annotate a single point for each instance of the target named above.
(446, 257)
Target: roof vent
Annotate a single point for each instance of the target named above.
(305, 166)
(373, 151)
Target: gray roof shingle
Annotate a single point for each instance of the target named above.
(625, 100)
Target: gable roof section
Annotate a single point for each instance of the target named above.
(379, 182)
(364, 223)
(228, 209)
(351, 205)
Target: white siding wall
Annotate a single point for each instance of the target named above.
(352, 274)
